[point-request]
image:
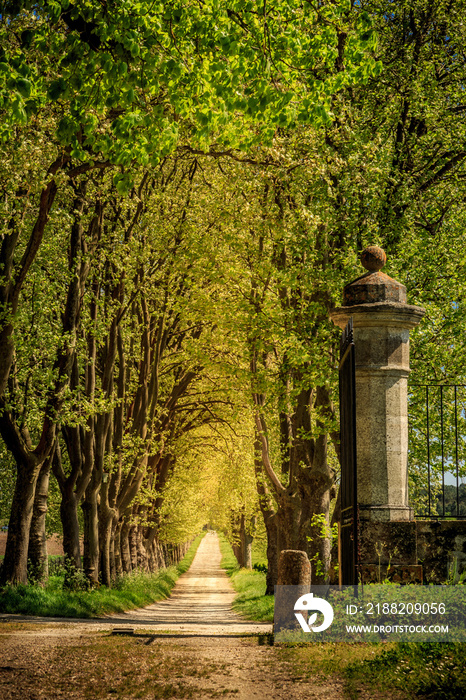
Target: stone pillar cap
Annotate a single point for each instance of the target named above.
(381, 313)
(374, 286)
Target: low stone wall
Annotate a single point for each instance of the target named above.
(441, 548)
(422, 551)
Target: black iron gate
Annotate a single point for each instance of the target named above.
(348, 545)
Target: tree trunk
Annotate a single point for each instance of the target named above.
(270, 519)
(133, 547)
(142, 558)
(320, 543)
(38, 563)
(319, 488)
(105, 535)
(125, 549)
(237, 552)
(117, 559)
(108, 518)
(161, 563)
(70, 524)
(289, 517)
(272, 553)
(113, 547)
(14, 567)
(246, 543)
(152, 550)
(91, 536)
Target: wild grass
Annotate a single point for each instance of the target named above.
(424, 670)
(383, 670)
(251, 600)
(131, 591)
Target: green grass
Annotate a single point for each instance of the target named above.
(131, 591)
(250, 586)
(434, 671)
(383, 670)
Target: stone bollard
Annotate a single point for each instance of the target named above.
(294, 569)
(294, 578)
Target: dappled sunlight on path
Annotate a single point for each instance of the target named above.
(200, 601)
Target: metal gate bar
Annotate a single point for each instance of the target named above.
(349, 549)
(437, 419)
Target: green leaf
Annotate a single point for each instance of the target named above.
(23, 86)
(56, 89)
(19, 111)
(122, 182)
(66, 129)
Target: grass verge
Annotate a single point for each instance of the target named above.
(251, 600)
(382, 670)
(131, 591)
(422, 670)
(326, 664)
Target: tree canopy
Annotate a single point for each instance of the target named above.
(185, 190)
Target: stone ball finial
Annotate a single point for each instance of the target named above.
(373, 258)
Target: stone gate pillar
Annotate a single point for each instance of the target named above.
(382, 320)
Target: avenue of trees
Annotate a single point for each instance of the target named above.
(185, 188)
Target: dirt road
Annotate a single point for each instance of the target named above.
(200, 602)
(191, 645)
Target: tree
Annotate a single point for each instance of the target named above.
(243, 249)
(112, 84)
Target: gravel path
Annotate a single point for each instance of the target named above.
(200, 602)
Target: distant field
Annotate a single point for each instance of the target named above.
(54, 545)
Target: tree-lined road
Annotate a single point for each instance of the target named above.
(192, 643)
(200, 602)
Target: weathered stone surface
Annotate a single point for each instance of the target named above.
(381, 313)
(441, 548)
(381, 323)
(374, 287)
(438, 547)
(294, 568)
(388, 543)
(294, 574)
(373, 573)
(373, 258)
